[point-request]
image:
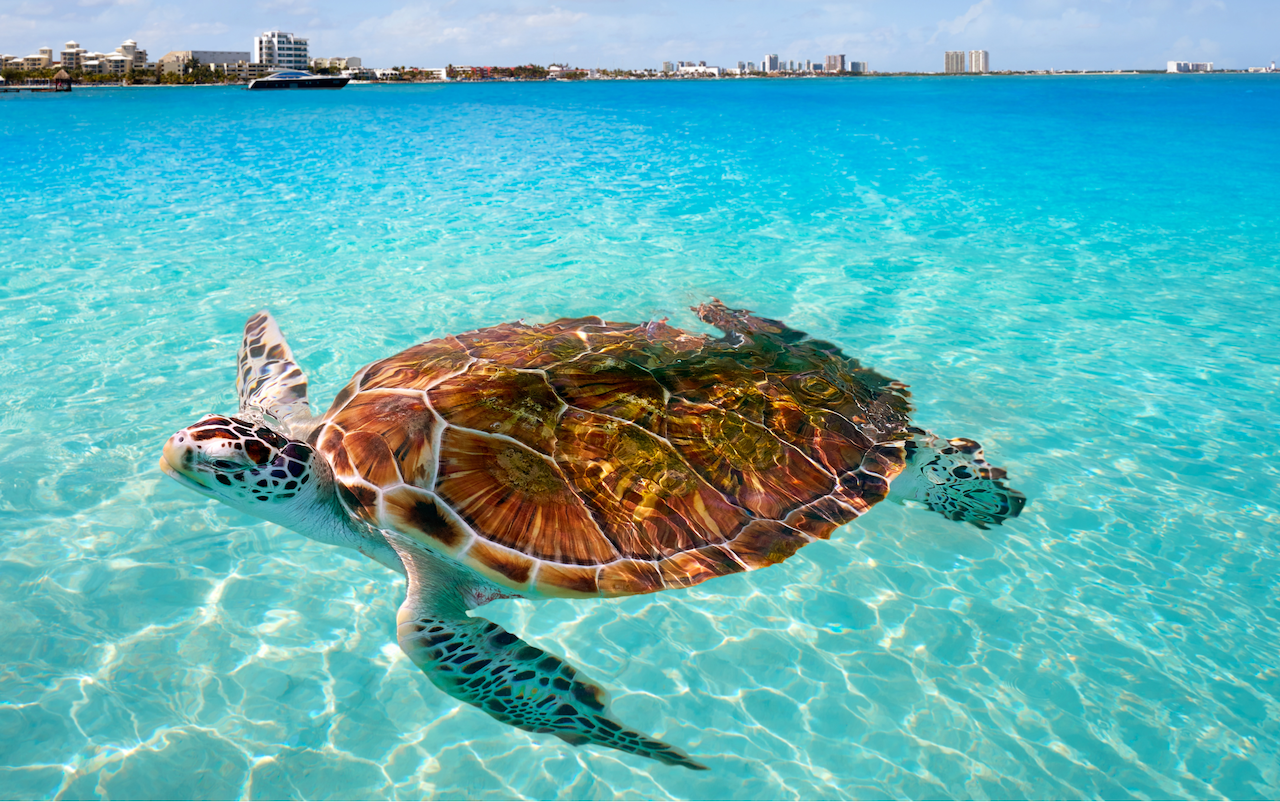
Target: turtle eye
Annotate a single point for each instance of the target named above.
(274, 440)
(257, 451)
(224, 465)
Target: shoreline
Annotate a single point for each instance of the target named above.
(703, 79)
(1034, 74)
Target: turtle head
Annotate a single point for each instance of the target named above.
(251, 467)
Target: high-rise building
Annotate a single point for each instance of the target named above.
(857, 67)
(279, 49)
(954, 61)
(834, 64)
(978, 61)
(770, 63)
(808, 65)
(667, 67)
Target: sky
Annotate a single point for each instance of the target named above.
(891, 35)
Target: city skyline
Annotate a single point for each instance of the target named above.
(1027, 34)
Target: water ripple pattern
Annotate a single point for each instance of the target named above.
(1081, 273)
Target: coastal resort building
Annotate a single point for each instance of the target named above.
(858, 67)
(700, 70)
(770, 63)
(1190, 66)
(42, 60)
(350, 63)
(954, 62)
(74, 58)
(978, 61)
(126, 58)
(281, 50)
(135, 59)
(834, 64)
(178, 62)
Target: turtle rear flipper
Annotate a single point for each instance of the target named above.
(952, 478)
(482, 664)
(268, 380)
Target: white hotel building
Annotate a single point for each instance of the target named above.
(1190, 66)
(282, 50)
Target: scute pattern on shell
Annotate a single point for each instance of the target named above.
(583, 458)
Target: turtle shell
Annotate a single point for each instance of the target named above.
(587, 458)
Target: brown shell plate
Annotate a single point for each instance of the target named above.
(586, 458)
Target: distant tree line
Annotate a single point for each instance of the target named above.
(527, 72)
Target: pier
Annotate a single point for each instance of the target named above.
(59, 83)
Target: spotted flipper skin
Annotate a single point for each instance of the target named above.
(952, 478)
(268, 380)
(484, 665)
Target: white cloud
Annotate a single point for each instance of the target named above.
(554, 17)
(421, 29)
(191, 35)
(1065, 28)
(1187, 48)
(296, 8)
(960, 23)
(1201, 6)
(98, 3)
(10, 23)
(859, 46)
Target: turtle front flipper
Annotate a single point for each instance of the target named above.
(482, 664)
(953, 478)
(269, 382)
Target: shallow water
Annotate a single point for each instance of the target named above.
(1081, 273)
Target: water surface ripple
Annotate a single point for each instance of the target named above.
(1080, 273)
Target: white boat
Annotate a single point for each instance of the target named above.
(297, 79)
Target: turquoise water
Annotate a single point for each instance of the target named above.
(1080, 273)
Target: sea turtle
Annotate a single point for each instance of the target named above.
(580, 458)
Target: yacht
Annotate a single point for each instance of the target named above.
(297, 79)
